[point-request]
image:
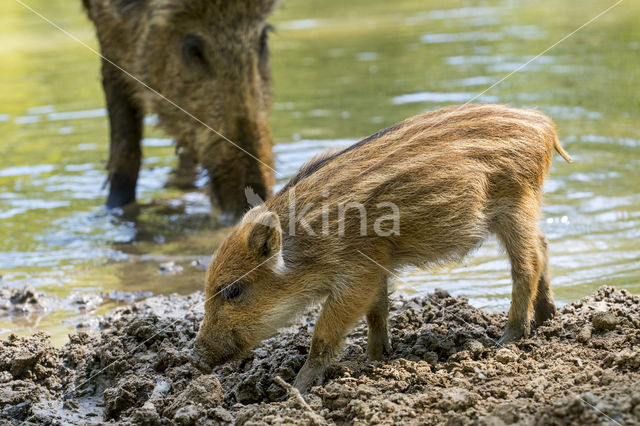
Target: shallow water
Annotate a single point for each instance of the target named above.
(342, 71)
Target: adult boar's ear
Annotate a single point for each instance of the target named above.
(265, 235)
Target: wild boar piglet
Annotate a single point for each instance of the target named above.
(424, 191)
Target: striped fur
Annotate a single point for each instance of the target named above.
(456, 175)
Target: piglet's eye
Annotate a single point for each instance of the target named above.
(232, 291)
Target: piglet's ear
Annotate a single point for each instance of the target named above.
(265, 235)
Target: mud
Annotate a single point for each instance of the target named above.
(31, 305)
(14, 301)
(582, 367)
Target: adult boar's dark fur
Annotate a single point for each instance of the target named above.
(211, 58)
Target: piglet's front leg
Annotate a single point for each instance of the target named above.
(312, 372)
(339, 314)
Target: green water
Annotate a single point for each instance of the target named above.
(342, 70)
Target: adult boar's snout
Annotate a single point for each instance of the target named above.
(247, 164)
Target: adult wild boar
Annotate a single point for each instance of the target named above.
(206, 57)
(455, 175)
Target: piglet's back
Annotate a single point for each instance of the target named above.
(446, 145)
(447, 171)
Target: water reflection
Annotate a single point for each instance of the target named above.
(341, 72)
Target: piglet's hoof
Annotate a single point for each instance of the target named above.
(511, 334)
(545, 311)
(378, 349)
(308, 376)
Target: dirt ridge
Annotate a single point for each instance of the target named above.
(582, 367)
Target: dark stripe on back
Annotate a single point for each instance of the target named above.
(313, 166)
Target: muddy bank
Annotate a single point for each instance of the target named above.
(26, 304)
(26, 300)
(581, 367)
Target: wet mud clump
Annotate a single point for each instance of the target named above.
(582, 367)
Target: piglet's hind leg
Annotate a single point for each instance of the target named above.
(378, 344)
(518, 231)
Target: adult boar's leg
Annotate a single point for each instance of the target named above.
(378, 345)
(184, 175)
(125, 121)
(518, 231)
(339, 313)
